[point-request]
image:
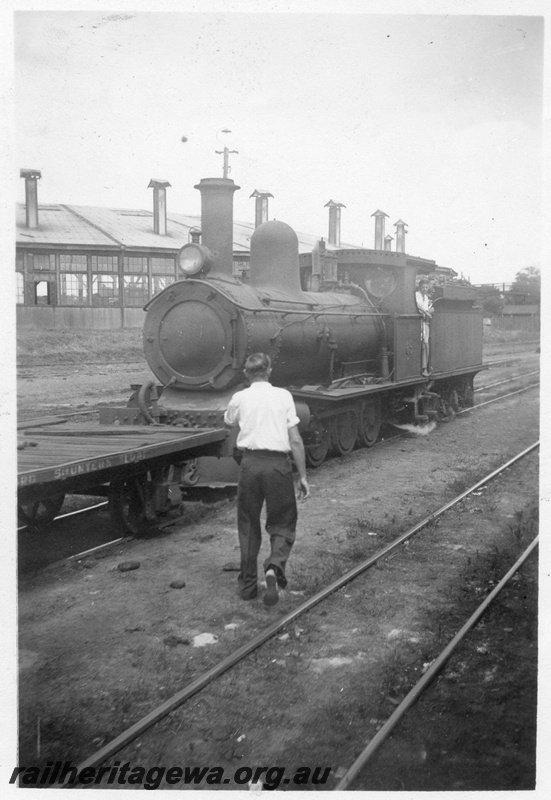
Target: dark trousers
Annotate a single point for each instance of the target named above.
(265, 476)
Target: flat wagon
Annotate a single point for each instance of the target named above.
(139, 468)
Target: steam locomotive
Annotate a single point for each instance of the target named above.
(340, 325)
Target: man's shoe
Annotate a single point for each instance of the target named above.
(280, 576)
(270, 595)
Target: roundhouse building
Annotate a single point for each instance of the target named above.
(90, 267)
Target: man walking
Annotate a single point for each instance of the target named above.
(268, 433)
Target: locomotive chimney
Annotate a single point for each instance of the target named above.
(379, 228)
(334, 237)
(400, 236)
(31, 196)
(217, 220)
(388, 242)
(159, 205)
(261, 206)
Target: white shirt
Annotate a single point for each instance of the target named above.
(423, 302)
(264, 414)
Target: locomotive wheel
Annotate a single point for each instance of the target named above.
(127, 507)
(369, 422)
(344, 430)
(316, 453)
(39, 514)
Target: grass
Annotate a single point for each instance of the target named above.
(472, 476)
(493, 336)
(359, 546)
(50, 347)
(36, 348)
(478, 577)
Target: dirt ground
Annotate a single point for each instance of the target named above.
(99, 648)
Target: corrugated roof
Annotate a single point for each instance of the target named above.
(110, 227)
(57, 225)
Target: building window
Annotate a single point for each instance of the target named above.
(134, 264)
(136, 290)
(20, 288)
(160, 282)
(240, 269)
(73, 289)
(161, 265)
(43, 293)
(105, 264)
(42, 261)
(163, 273)
(71, 262)
(105, 290)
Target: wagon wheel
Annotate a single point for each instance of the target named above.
(344, 430)
(129, 507)
(369, 422)
(40, 513)
(316, 453)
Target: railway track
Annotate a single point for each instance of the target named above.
(175, 519)
(188, 661)
(27, 418)
(512, 358)
(188, 691)
(486, 387)
(428, 676)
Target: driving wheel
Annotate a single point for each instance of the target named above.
(344, 432)
(369, 422)
(316, 452)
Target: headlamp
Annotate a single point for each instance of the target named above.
(194, 258)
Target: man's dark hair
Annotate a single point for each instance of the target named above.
(258, 364)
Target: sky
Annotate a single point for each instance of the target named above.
(436, 119)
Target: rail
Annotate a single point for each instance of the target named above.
(238, 655)
(384, 732)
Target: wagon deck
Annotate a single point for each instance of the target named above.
(76, 457)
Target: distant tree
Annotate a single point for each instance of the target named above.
(492, 301)
(528, 280)
(526, 288)
(437, 279)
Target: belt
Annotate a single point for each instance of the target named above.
(266, 452)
